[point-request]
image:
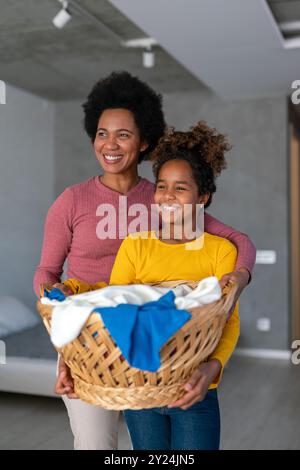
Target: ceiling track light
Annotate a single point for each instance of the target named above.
(147, 45)
(63, 16)
(71, 6)
(148, 58)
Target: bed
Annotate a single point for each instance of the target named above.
(30, 362)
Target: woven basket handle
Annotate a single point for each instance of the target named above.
(47, 286)
(228, 294)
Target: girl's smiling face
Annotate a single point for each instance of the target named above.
(177, 192)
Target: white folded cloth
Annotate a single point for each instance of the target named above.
(70, 315)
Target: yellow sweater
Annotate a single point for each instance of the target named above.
(144, 259)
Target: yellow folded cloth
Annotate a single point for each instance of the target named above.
(79, 287)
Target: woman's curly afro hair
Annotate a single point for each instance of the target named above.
(202, 147)
(122, 90)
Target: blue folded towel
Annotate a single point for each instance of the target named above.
(55, 294)
(140, 331)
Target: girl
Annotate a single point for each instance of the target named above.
(186, 165)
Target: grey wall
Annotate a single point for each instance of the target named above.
(26, 187)
(74, 157)
(251, 195)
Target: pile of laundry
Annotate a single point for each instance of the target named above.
(140, 318)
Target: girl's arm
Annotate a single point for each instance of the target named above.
(57, 241)
(210, 373)
(231, 330)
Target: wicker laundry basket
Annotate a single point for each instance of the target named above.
(103, 377)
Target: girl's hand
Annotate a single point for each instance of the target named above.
(198, 384)
(64, 383)
(241, 278)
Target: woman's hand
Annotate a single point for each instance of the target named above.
(241, 278)
(198, 384)
(64, 383)
(64, 289)
(59, 285)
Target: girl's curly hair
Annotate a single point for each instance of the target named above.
(122, 90)
(202, 147)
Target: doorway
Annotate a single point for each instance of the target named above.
(294, 136)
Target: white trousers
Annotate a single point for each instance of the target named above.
(94, 428)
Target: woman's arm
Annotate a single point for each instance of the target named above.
(57, 241)
(242, 271)
(246, 249)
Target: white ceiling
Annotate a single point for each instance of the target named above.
(235, 47)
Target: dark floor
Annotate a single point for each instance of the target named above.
(259, 400)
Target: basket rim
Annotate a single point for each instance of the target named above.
(228, 292)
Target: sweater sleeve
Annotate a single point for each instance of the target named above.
(231, 331)
(57, 241)
(245, 247)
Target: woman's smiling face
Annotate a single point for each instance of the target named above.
(117, 143)
(177, 192)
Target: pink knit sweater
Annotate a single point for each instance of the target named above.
(72, 233)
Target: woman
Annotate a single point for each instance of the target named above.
(124, 120)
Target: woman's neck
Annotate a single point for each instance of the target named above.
(122, 183)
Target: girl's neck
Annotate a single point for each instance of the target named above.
(173, 239)
(122, 183)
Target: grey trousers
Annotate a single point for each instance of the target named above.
(94, 428)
